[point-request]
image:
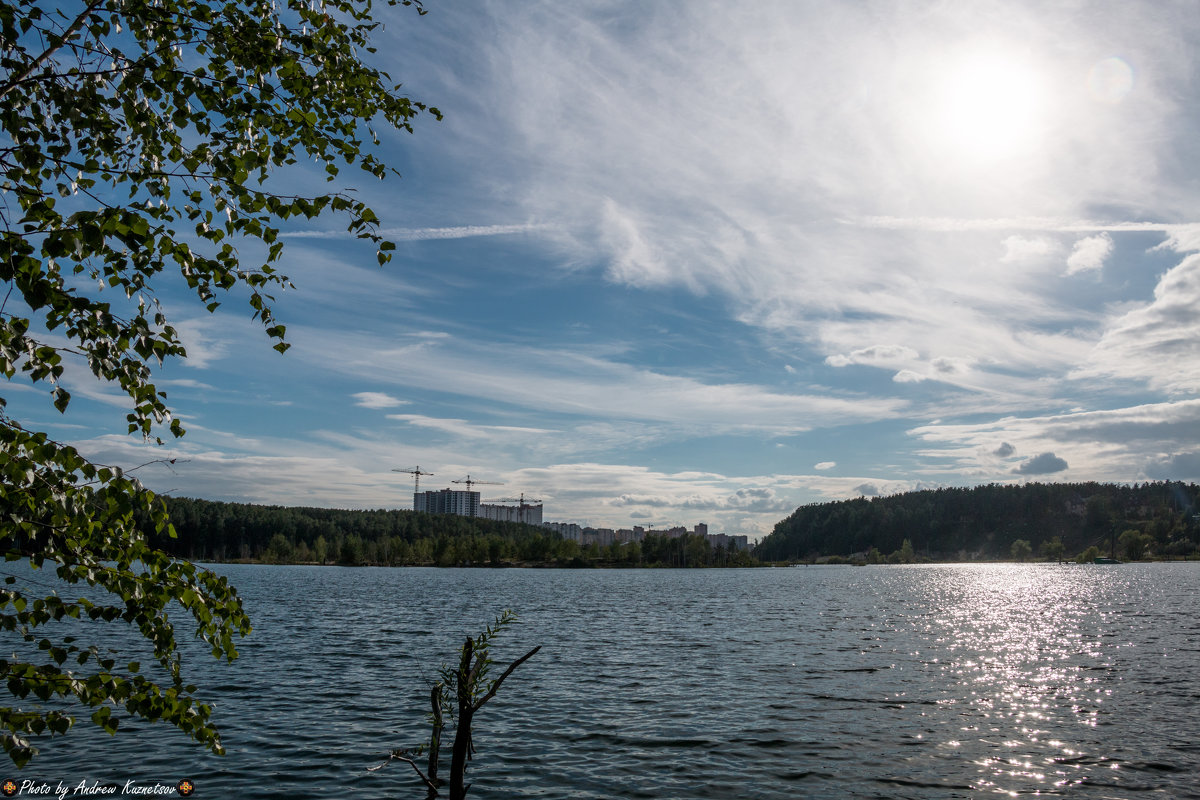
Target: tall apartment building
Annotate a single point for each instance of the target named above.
(567, 530)
(530, 514)
(447, 501)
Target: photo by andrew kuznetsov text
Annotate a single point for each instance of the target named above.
(63, 789)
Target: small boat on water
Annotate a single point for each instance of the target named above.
(1103, 560)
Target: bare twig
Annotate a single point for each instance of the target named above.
(435, 738)
(496, 686)
(397, 755)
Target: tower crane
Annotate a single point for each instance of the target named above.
(469, 481)
(523, 504)
(416, 473)
(522, 501)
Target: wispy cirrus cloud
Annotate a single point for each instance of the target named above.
(377, 400)
(580, 384)
(424, 234)
(1025, 224)
(469, 430)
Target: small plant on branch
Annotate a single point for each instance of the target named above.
(458, 694)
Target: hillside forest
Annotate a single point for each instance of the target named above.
(1036, 520)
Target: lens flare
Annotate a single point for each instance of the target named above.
(1111, 80)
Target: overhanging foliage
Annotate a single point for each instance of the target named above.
(138, 142)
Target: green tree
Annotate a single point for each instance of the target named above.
(352, 552)
(1134, 543)
(1088, 556)
(1053, 549)
(279, 550)
(140, 137)
(1021, 549)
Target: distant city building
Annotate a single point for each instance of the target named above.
(447, 501)
(601, 537)
(607, 536)
(530, 514)
(567, 530)
(730, 543)
(669, 533)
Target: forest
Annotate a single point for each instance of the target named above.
(1052, 521)
(207, 530)
(1049, 521)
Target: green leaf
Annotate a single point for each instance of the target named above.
(169, 128)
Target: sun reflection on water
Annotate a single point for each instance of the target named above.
(1023, 646)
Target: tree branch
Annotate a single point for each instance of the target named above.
(496, 686)
(435, 738)
(52, 49)
(396, 755)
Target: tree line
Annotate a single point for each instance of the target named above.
(1156, 519)
(207, 530)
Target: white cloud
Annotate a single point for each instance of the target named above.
(634, 260)
(377, 400)
(1110, 445)
(1089, 253)
(880, 354)
(952, 366)
(1159, 342)
(1019, 248)
(206, 339)
(759, 500)
(908, 376)
(823, 465)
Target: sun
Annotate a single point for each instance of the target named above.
(985, 106)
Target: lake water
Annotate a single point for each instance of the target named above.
(889, 682)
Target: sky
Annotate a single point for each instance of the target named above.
(675, 262)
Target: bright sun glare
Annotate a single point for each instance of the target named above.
(985, 107)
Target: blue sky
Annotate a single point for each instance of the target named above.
(675, 262)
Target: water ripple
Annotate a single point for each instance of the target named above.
(923, 682)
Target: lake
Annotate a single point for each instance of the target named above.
(883, 681)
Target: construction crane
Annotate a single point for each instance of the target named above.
(523, 505)
(416, 473)
(523, 501)
(469, 481)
